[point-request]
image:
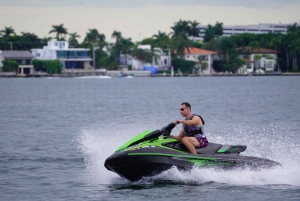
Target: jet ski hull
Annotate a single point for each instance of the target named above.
(136, 164)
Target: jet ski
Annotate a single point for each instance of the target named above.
(152, 152)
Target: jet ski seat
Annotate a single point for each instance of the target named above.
(211, 148)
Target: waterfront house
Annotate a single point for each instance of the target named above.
(203, 60)
(70, 58)
(161, 60)
(257, 59)
(23, 58)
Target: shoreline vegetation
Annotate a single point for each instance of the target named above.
(176, 42)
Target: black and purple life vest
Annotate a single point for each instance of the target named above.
(191, 131)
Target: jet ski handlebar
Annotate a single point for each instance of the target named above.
(166, 130)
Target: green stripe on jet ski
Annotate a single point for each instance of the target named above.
(221, 151)
(170, 155)
(136, 138)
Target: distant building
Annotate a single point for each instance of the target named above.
(162, 61)
(71, 58)
(21, 57)
(231, 30)
(203, 59)
(257, 59)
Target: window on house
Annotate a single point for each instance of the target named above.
(203, 58)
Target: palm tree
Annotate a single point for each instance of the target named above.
(117, 35)
(93, 36)
(162, 40)
(226, 45)
(59, 30)
(275, 44)
(218, 29)
(209, 33)
(194, 31)
(73, 38)
(7, 31)
(45, 40)
(126, 45)
(154, 55)
(179, 44)
(293, 36)
(182, 27)
(160, 35)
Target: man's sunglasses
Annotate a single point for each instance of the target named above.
(181, 109)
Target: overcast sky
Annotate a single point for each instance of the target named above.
(139, 19)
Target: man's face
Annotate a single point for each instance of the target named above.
(184, 110)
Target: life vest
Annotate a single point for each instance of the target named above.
(193, 131)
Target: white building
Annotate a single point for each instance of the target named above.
(203, 59)
(230, 30)
(257, 59)
(162, 61)
(71, 58)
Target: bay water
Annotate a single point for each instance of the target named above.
(55, 134)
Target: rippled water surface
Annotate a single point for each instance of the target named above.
(56, 134)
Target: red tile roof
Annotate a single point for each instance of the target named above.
(194, 50)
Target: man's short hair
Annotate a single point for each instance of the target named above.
(187, 105)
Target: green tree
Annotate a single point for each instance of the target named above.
(161, 40)
(275, 44)
(10, 66)
(117, 35)
(143, 55)
(183, 65)
(73, 38)
(293, 35)
(116, 49)
(27, 41)
(93, 36)
(218, 29)
(254, 45)
(45, 40)
(160, 36)
(226, 47)
(209, 34)
(180, 43)
(60, 30)
(7, 31)
(52, 66)
(181, 28)
(126, 45)
(38, 65)
(194, 30)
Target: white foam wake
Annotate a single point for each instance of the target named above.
(97, 143)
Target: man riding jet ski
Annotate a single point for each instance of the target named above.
(192, 133)
(152, 152)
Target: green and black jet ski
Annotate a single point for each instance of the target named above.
(153, 152)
